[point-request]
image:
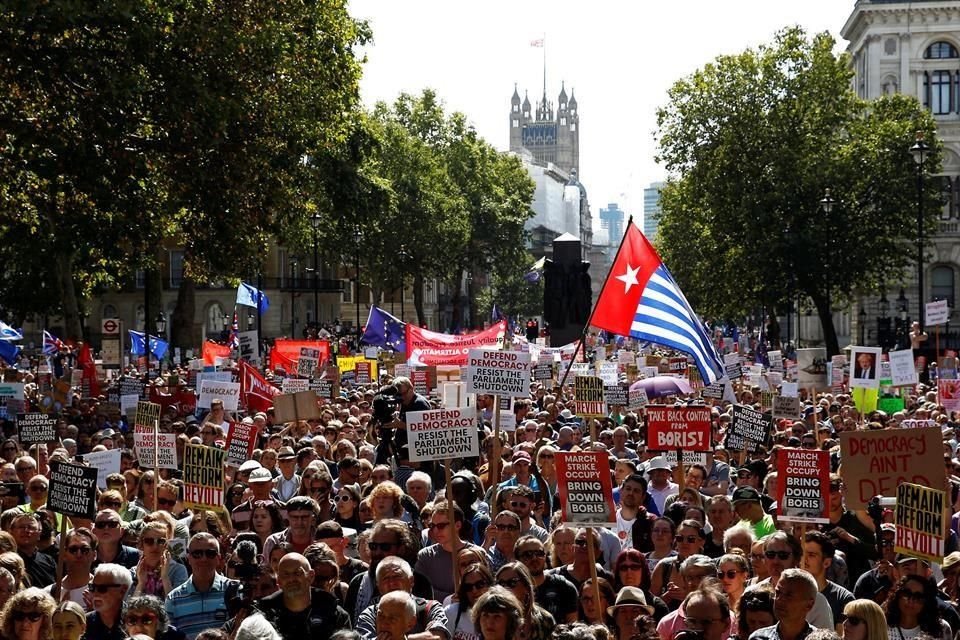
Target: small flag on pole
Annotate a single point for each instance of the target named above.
(51, 344)
(250, 296)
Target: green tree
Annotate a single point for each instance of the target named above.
(753, 142)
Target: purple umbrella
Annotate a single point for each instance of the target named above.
(660, 386)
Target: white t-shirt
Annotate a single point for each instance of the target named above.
(899, 633)
(625, 531)
(464, 629)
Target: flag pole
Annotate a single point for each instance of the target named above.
(593, 309)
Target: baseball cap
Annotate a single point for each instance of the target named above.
(521, 456)
(746, 494)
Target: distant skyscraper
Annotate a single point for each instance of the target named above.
(550, 138)
(611, 219)
(651, 210)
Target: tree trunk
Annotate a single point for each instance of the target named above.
(68, 296)
(456, 302)
(418, 298)
(181, 324)
(826, 322)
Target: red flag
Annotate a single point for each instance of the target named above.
(285, 353)
(635, 263)
(212, 351)
(85, 360)
(432, 348)
(255, 392)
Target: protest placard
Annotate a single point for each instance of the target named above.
(713, 391)
(73, 490)
(543, 371)
(803, 485)
(920, 522)
(607, 371)
(790, 389)
(786, 407)
(636, 399)
(291, 407)
(776, 360)
(615, 395)
(241, 440)
(36, 428)
(585, 488)
(443, 434)
(937, 312)
(902, 369)
(689, 457)
(128, 405)
(147, 415)
(229, 392)
(877, 462)
(751, 426)
(812, 368)
(131, 387)
(105, 462)
(219, 376)
(948, 394)
(579, 368)
(626, 358)
(838, 365)
(677, 367)
(362, 370)
(505, 373)
(294, 385)
(588, 397)
(732, 366)
(685, 428)
(917, 424)
(865, 367)
(890, 404)
(308, 361)
(165, 444)
(203, 477)
(11, 399)
(508, 419)
(324, 388)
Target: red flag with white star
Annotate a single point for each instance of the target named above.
(635, 263)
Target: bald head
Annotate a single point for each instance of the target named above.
(292, 561)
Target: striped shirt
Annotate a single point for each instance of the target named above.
(192, 611)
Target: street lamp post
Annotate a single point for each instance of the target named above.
(357, 236)
(293, 296)
(161, 323)
(403, 279)
(920, 150)
(861, 322)
(903, 306)
(315, 222)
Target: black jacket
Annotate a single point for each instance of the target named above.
(326, 616)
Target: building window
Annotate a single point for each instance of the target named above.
(573, 127)
(516, 123)
(941, 284)
(940, 51)
(138, 317)
(516, 108)
(563, 122)
(140, 279)
(940, 94)
(215, 322)
(176, 269)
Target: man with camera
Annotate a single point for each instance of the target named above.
(390, 408)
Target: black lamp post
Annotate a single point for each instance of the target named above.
(315, 223)
(293, 296)
(251, 318)
(903, 306)
(357, 237)
(920, 150)
(403, 278)
(161, 324)
(861, 322)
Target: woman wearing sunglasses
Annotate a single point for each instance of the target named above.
(146, 615)
(666, 582)
(157, 573)
(28, 615)
(630, 570)
(475, 580)
(911, 609)
(733, 571)
(537, 624)
(863, 620)
(347, 504)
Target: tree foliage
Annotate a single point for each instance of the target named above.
(753, 142)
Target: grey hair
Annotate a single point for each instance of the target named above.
(6, 576)
(419, 476)
(393, 562)
(799, 575)
(256, 627)
(698, 561)
(737, 530)
(581, 631)
(118, 573)
(155, 606)
(409, 605)
(203, 535)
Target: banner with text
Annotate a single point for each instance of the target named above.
(585, 488)
(203, 477)
(426, 347)
(803, 485)
(504, 373)
(670, 428)
(443, 434)
(920, 522)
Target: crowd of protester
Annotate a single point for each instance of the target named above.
(331, 531)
